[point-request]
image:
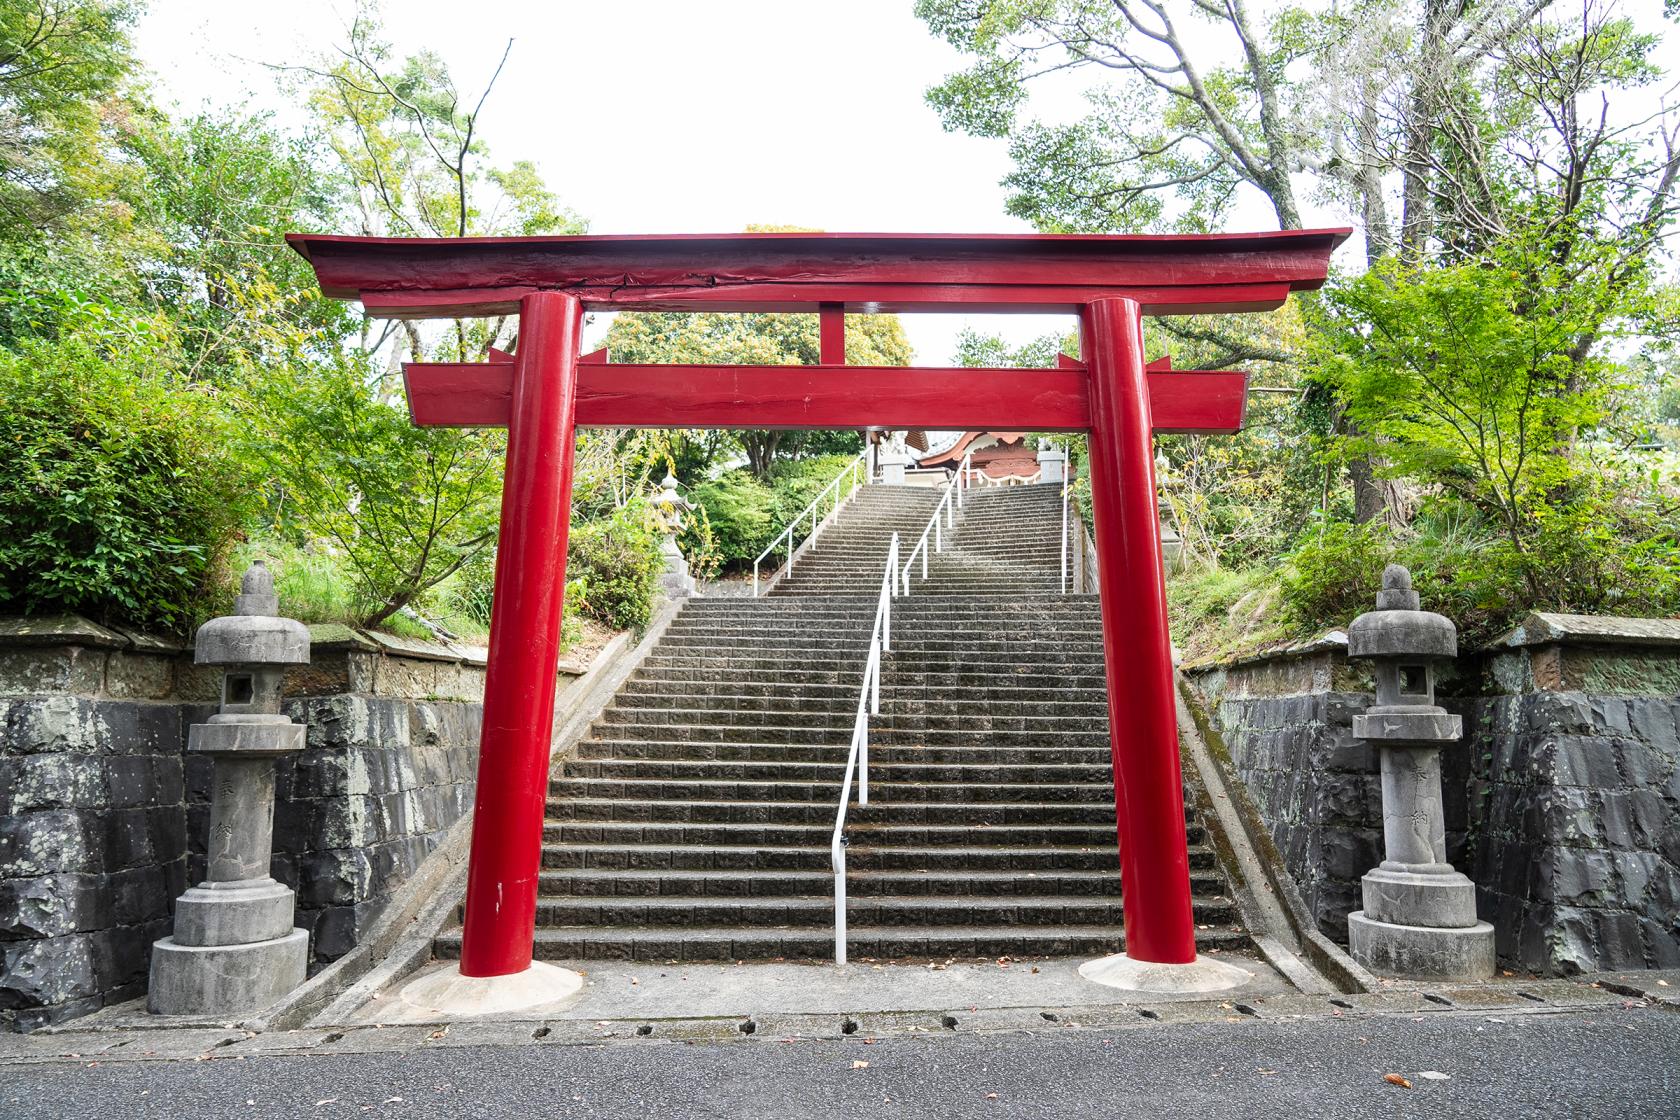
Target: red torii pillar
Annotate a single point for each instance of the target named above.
(506, 857)
(1137, 647)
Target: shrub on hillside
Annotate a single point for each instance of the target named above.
(613, 567)
(1598, 553)
(738, 509)
(745, 514)
(118, 494)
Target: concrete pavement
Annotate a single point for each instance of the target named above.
(1619, 1059)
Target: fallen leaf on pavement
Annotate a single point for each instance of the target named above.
(991, 1096)
(860, 1065)
(1435, 1075)
(1396, 1079)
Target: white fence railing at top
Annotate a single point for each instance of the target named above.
(857, 760)
(853, 477)
(944, 519)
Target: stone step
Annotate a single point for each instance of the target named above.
(818, 810)
(849, 674)
(865, 943)
(931, 861)
(880, 754)
(815, 833)
(781, 883)
(893, 703)
(816, 912)
(879, 735)
(767, 686)
(828, 772)
(892, 796)
(888, 724)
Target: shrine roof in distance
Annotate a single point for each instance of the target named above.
(863, 272)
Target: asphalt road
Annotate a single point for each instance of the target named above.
(1621, 1063)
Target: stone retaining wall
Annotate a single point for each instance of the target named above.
(103, 817)
(1287, 722)
(1574, 782)
(1562, 802)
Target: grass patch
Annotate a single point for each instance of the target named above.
(1217, 613)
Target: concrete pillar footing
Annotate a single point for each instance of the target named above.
(1422, 952)
(446, 992)
(1204, 974)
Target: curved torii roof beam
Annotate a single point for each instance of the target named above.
(1168, 274)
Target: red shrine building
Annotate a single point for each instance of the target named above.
(998, 458)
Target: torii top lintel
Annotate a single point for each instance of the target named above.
(864, 272)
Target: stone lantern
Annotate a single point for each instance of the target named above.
(671, 510)
(1419, 918)
(234, 948)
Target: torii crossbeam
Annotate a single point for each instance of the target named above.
(542, 393)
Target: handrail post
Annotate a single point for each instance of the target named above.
(840, 906)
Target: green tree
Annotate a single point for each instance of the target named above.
(1468, 377)
(62, 63)
(407, 507)
(119, 491)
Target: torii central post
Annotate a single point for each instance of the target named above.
(547, 389)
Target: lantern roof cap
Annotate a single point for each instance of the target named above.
(1399, 627)
(253, 634)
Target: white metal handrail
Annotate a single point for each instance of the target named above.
(1067, 484)
(944, 518)
(857, 760)
(858, 472)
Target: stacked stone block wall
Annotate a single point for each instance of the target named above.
(1288, 725)
(103, 815)
(1577, 799)
(92, 816)
(1562, 802)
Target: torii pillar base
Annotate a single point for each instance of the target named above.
(448, 993)
(1204, 974)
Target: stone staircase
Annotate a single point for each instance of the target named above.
(694, 823)
(849, 555)
(1007, 542)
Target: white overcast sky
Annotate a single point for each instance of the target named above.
(664, 116)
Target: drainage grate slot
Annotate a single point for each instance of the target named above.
(1341, 1003)
(1048, 1016)
(645, 1029)
(747, 1027)
(336, 1036)
(1433, 998)
(1532, 997)
(1148, 1014)
(848, 1026)
(1245, 1009)
(949, 1022)
(541, 1033)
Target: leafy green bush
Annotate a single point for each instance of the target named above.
(794, 484)
(614, 567)
(1335, 572)
(1596, 552)
(406, 506)
(744, 513)
(119, 496)
(738, 509)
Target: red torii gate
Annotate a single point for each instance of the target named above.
(548, 388)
